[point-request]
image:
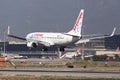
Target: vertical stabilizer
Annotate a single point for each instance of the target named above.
(76, 31)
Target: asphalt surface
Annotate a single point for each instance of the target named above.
(60, 72)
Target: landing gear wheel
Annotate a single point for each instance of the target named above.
(62, 49)
(44, 49)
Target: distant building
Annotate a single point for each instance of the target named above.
(105, 43)
(112, 42)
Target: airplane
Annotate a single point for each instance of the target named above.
(61, 40)
(6, 59)
(71, 55)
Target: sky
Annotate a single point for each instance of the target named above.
(25, 16)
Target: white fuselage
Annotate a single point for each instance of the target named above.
(51, 38)
(69, 55)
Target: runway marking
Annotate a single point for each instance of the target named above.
(25, 70)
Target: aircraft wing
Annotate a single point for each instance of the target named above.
(84, 40)
(13, 36)
(99, 35)
(91, 35)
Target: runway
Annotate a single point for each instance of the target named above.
(59, 72)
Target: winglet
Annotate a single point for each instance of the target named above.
(8, 30)
(113, 32)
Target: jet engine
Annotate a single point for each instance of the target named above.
(31, 44)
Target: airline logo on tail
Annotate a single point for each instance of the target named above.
(78, 25)
(76, 31)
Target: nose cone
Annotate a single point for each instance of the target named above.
(29, 36)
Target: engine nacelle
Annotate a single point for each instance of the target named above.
(31, 44)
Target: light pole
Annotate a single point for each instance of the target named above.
(4, 42)
(8, 32)
(83, 44)
(1, 51)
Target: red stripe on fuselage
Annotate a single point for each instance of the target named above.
(39, 35)
(78, 19)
